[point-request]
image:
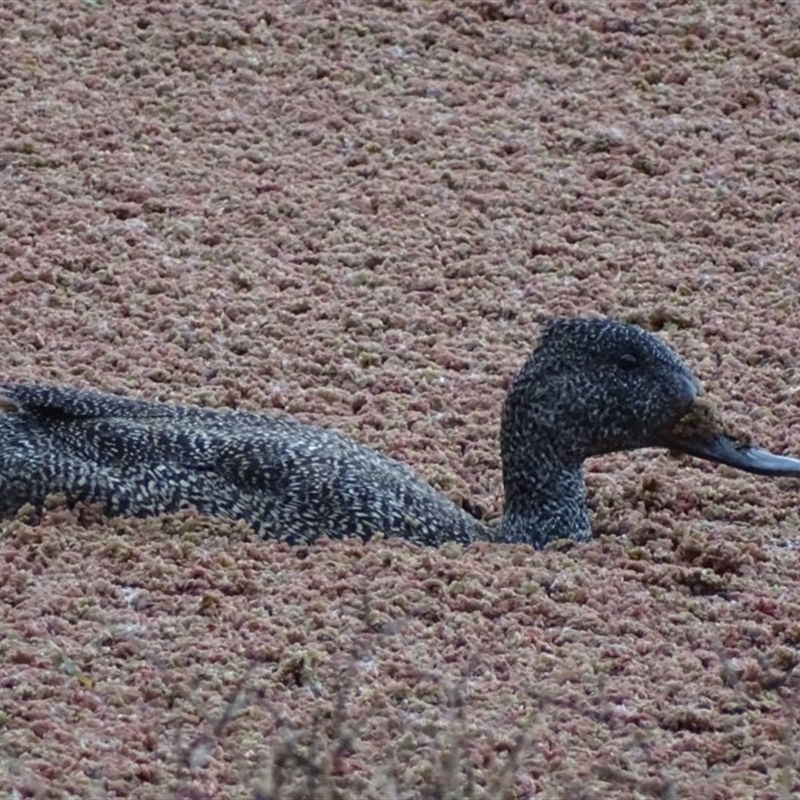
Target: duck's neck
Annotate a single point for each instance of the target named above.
(544, 500)
(545, 496)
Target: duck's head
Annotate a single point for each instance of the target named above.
(596, 386)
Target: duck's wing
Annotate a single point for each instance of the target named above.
(110, 429)
(66, 403)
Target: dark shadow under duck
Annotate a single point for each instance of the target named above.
(590, 387)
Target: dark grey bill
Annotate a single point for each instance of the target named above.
(727, 451)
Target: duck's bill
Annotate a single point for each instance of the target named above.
(726, 451)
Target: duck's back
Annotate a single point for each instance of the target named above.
(290, 481)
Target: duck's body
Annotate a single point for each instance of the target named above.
(590, 387)
(288, 480)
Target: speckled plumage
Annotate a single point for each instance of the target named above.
(591, 386)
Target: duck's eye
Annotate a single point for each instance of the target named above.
(628, 361)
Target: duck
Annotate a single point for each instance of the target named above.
(591, 386)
